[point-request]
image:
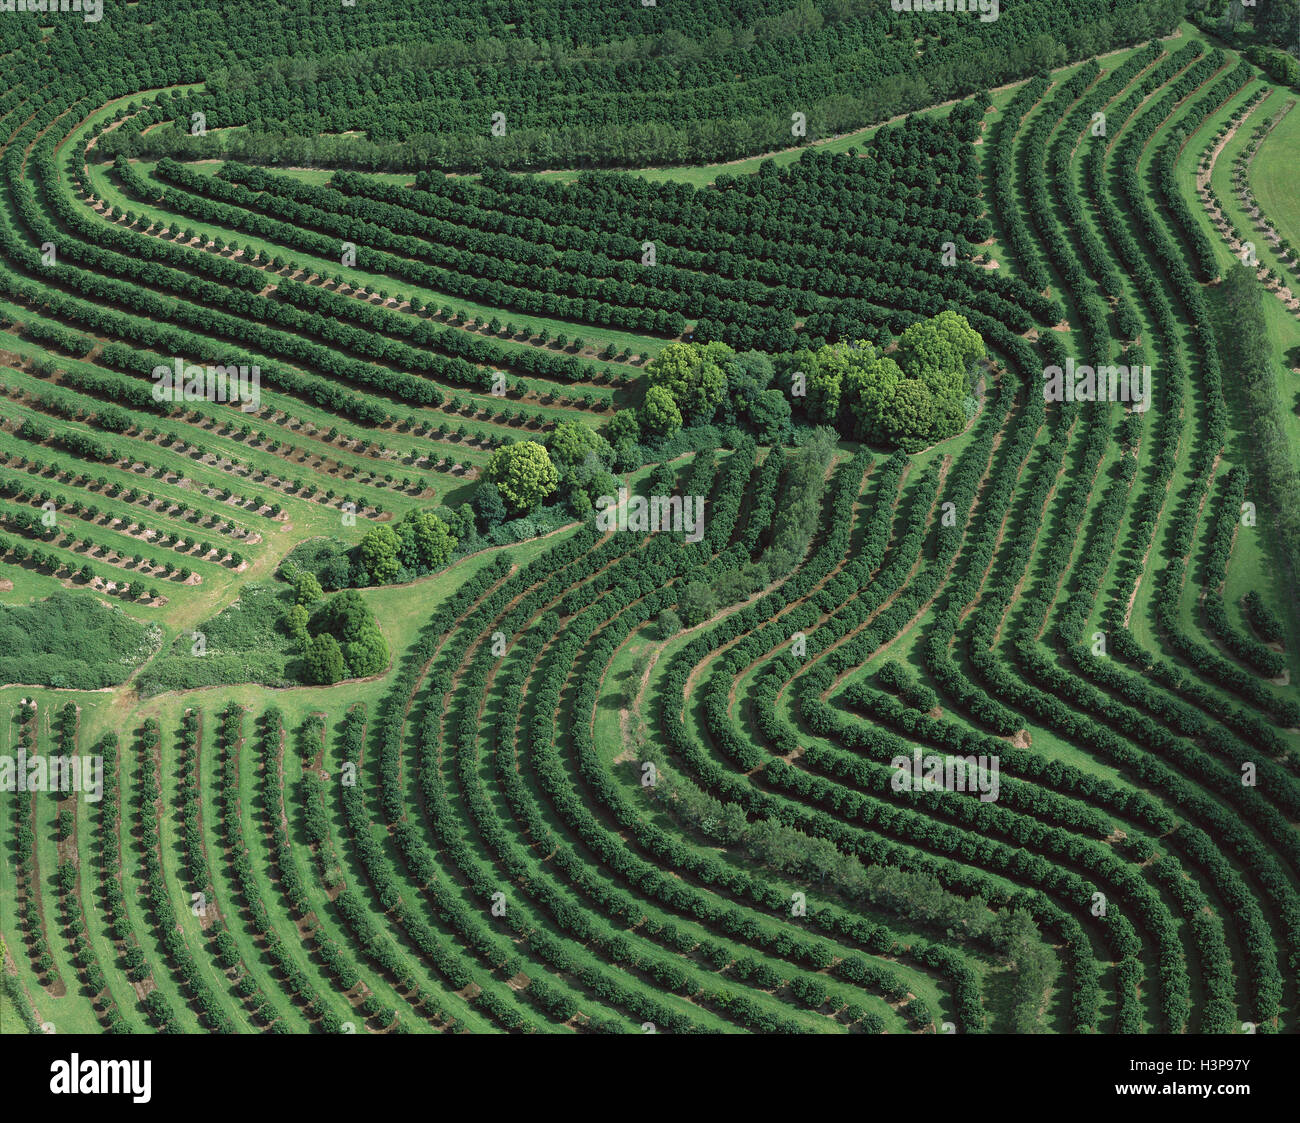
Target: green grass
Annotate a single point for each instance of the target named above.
(1273, 174)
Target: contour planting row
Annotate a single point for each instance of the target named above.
(309, 308)
(820, 638)
(540, 631)
(1067, 520)
(536, 637)
(456, 343)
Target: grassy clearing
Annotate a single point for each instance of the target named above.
(1274, 170)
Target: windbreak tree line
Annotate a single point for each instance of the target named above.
(618, 85)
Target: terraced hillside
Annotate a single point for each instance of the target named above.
(395, 738)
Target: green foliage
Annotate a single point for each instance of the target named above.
(1266, 622)
(623, 429)
(348, 620)
(752, 399)
(693, 376)
(295, 622)
(1245, 339)
(489, 507)
(942, 347)
(523, 473)
(659, 415)
(307, 590)
(697, 602)
(379, 553)
(798, 505)
(582, 457)
(572, 442)
(425, 543)
(824, 373)
(329, 559)
(323, 660)
(908, 399)
(845, 247)
(367, 654)
(1282, 67)
(246, 642)
(70, 639)
(34, 429)
(668, 624)
(267, 637)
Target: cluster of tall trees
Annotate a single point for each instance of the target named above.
(338, 635)
(420, 543)
(916, 391)
(583, 460)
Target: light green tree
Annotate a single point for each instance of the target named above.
(379, 548)
(623, 428)
(869, 384)
(306, 589)
(939, 351)
(324, 660)
(693, 374)
(572, 442)
(523, 473)
(426, 542)
(659, 413)
(295, 622)
(368, 653)
(823, 375)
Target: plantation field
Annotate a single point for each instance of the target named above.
(392, 717)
